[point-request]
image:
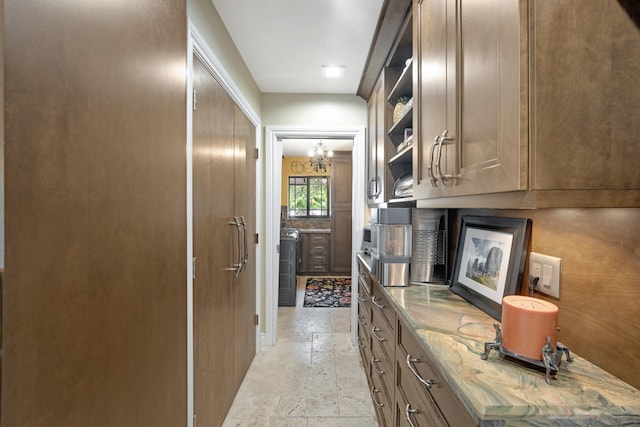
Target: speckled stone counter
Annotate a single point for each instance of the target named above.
(315, 230)
(497, 391)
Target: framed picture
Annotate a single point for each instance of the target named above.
(489, 261)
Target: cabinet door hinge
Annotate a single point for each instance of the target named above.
(256, 319)
(257, 238)
(257, 153)
(195, 100)
(193, 266)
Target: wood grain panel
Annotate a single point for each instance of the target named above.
(341, 189)
(95, 301)
(215, 247)
(600, 251)
(245, 285)
(585, 95)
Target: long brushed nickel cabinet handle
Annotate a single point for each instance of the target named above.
(373, 332)
(408, 411)
(432, 178)
(410, 362)
(375, 391)
(245, 257)
(373, 365)
(237, 266)
(439, 175)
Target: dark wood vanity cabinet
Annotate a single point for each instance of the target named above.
(406, 387)
(382, 361)
(315, 253)
(364, 314)
(423, 396)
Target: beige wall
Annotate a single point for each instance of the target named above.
(315, 111)
(206, 19)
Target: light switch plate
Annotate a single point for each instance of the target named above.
(547, 268)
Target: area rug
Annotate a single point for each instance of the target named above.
(328, 292)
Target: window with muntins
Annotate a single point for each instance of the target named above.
(308, 196)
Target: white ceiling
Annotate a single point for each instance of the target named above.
(285, 42)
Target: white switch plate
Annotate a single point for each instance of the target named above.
(547, 268)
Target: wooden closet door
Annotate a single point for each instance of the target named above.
(213, 239)
(245, 207)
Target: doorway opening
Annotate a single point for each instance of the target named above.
(275, 140)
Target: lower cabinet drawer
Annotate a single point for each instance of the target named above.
(384, 410)
(322, 268)
(382, 367)
(418, 373)
(381, 305)
(414, 407)
(364, 342)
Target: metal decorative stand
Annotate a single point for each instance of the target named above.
(551, 359)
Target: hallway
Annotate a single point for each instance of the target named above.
(311, 378)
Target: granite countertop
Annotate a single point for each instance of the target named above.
(497, 391)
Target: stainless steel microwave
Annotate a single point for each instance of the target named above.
(366, 241)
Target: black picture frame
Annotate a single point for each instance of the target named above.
(489, 261)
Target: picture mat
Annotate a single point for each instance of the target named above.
(477, 247)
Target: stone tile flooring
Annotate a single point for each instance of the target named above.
(311, 378)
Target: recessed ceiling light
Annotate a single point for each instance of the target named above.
(332, 72)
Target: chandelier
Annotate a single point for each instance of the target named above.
(320, 158)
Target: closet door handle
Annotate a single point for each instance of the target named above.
(245, 256)
(434, 181)
(237, 266)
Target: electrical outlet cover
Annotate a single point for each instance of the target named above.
(548, 269)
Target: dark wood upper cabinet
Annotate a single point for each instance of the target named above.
(521, 104)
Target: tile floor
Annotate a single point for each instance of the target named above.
(311, 378)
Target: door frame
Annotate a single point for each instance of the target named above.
(273, 140)
(198, 46)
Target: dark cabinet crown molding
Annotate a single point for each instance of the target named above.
(392, 15)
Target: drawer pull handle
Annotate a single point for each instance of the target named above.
(373, 332)
(374, 300)
(408, 411)
(410, 362)
(374, 390)
(373, 365)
